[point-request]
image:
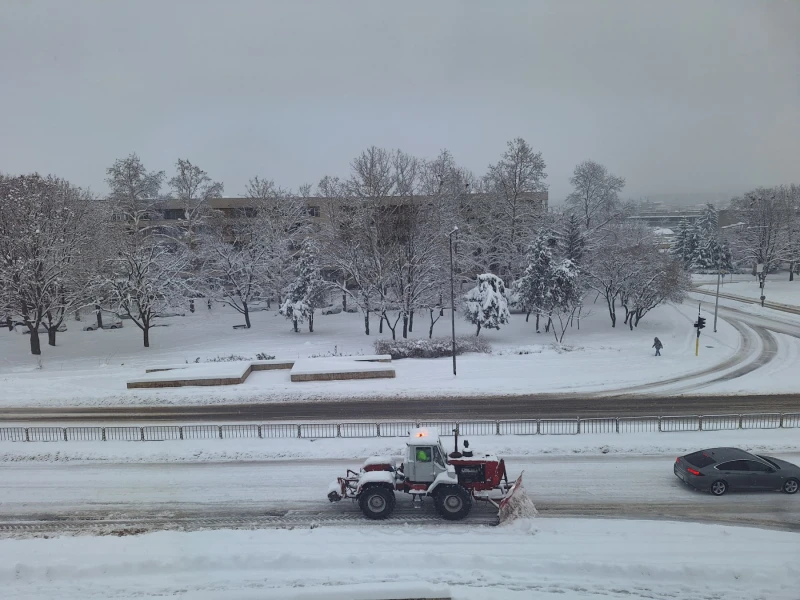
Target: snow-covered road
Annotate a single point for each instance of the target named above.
(241, 493)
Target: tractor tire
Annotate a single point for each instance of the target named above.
(453, 502)
(377, 502)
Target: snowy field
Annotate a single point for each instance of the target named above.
(569, 559)
(91, 368)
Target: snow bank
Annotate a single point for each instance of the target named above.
(562, 558)
(655, 444)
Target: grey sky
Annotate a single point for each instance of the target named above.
(696, 96)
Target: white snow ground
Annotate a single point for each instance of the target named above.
(569, 559)
(91, 368)
(781, 291)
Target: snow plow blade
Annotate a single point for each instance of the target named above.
(516, 503)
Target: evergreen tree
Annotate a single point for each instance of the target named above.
(572, 240)
(306, 293)
(486, 305)
(682, 247)
(532, 286)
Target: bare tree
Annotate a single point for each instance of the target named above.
(510, 185)
(134, 192)
(596, 194)
(193, 189)
(45, 227)
(236, 262)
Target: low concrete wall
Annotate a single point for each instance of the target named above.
(342, 375)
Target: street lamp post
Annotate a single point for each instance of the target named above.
(452, 298)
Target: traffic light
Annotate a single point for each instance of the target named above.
(701, 323)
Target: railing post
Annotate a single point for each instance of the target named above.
(780, 422)
(180, 432)
(497, 427)
(378, 429)
(579, 424)
(700, 422)
(103, 434)
(616, 423)
(338, 430)
(298, 431)
(141, 433)
(65, 434)
(259, 432)
(740, 421)
(27, 435)
(659, 424)
(538, 426)
(220, 432)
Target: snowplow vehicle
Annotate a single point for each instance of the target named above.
(452, 480)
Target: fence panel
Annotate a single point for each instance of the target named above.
(791, 420)
(85, 434)
(439, 427)
(761, 421)
(686, 423)
(123, 434)
(720, 422)
(45, 434)
(638, 424)
(161, 433)
(396, 429)
(239, 431)
(12, 434)
(200, 432)
(558, 426)
(600, 425)
(526, 427)
(318, 430)
(279, 430)
(358, 430)
(477, 428)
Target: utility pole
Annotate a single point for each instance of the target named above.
(452, 298)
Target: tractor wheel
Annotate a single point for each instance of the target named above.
(453, 502)
(377, 502)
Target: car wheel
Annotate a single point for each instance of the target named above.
(453, 502)
(377, 502)
(113, 327)
(790, 486)
(719, 487)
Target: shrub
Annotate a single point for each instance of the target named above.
(233, 358)
(430, 348)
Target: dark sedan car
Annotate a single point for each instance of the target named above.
(718, 470)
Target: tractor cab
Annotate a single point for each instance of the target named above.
(425, 458)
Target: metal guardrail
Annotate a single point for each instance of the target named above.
(156, 433)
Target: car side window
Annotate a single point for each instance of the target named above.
(757, 466)
(734, 465)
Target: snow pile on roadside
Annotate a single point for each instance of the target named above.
(658, 444)
(556, 558)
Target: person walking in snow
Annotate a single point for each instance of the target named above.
(658, 346)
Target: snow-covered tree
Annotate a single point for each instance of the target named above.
(596, 193)
(573, 240)
(486, 305)
(507, 212)
(684, 247)
(46, 227)
(616, 260)
(236, 262)
(145, 272)
(193, 189)
(663, 279)
(307, 292)
(283, 222)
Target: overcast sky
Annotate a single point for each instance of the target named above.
(677, 97)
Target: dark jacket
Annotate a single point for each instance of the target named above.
(657, 344)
